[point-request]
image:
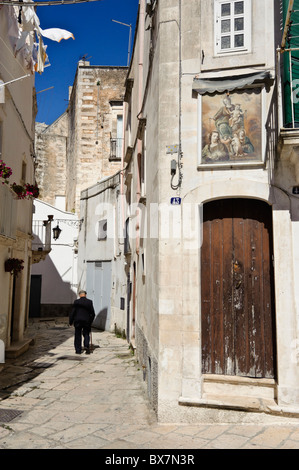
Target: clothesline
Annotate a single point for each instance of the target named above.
(21, 39)
(16, 79)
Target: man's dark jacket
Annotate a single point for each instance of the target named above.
(82, 313)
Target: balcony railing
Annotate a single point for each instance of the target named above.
(116, 147)
(8, 212)
(41, 233)
(288, 66)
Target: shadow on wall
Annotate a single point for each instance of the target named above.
(101, 319)
(50, 295)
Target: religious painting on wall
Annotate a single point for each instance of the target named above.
(232, 127)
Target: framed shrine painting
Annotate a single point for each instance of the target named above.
(231, 128)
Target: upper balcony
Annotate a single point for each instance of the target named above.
(116, 148)
(41, 243)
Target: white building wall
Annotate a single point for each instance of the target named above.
(59, 268)
(168, 316)
(100, 203)
(17, 114)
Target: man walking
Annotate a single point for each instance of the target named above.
(82, 316)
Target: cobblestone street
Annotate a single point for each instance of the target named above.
(51, 398)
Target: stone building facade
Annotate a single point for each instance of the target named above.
(50, 148)
(212, 211)
(17, 115)
(100, 254)
(84, 144)
(79, 150)
(95, 128)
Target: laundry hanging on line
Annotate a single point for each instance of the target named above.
(33, 54)
(41, 56)
(56, 34)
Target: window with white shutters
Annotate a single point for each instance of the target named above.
(232, 26)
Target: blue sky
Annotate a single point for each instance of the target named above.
(103, 41)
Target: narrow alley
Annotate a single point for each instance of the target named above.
(51, 398)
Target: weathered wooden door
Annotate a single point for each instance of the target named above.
(237, 302)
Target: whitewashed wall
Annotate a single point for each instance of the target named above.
(59, 269)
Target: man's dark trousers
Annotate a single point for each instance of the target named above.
(82, 316)
(81, 328)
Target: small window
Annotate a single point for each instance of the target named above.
(116, 140)
(24, 171)
(232, 26)
(102, 232)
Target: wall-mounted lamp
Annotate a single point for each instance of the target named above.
(56, 232)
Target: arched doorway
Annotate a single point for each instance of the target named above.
(237, 289)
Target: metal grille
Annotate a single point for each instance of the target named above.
(7, 415)
(115, 149)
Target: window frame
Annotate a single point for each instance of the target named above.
(246, 31)
(102, 229)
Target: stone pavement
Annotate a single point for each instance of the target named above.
(51, 398)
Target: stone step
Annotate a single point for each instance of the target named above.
(18, 348)
(242, 403)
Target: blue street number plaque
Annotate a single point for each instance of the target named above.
(175, 201)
